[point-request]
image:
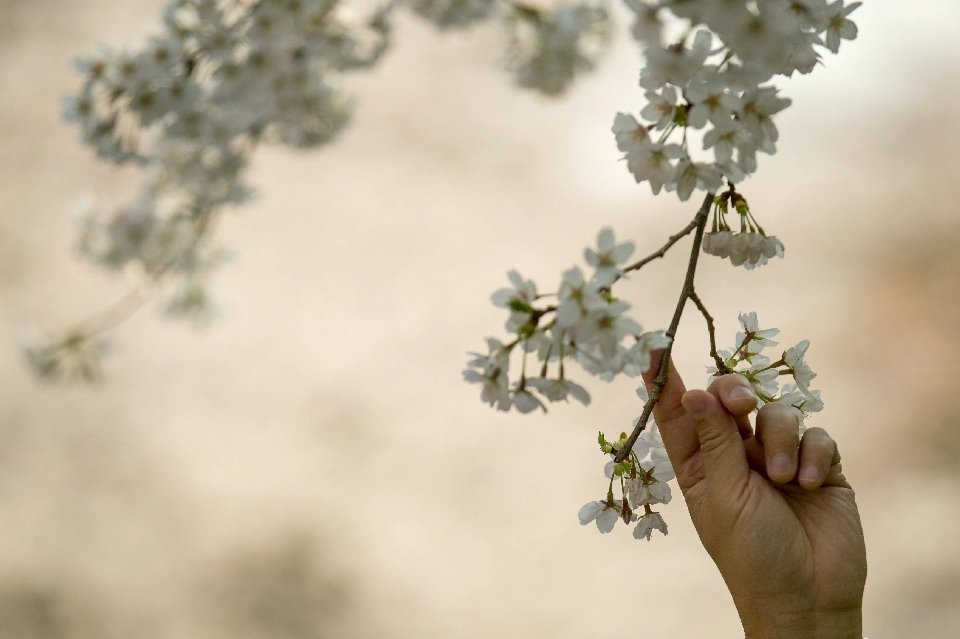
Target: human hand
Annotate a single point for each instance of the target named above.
(774, 512)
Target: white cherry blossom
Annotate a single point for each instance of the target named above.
(647, 524)
(608, 257)
(603, 514)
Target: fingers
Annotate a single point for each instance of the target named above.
(778, 429)
(819, 461)
(676, 429)
(668, 408)
(721, 446)
(737, 396)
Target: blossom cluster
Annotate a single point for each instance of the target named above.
(550, 47)
(643, 478)
(751, 246)
(584, 322)
(549, 44)
(746, 358)
(713, 80)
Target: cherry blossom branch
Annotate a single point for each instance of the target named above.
(135, 299)
(721, 366)
(699, 221)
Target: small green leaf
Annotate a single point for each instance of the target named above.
(516, 304)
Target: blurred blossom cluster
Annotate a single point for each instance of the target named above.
(192, 104)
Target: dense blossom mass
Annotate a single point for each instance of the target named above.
(581, 321)
(223, 76)
(708, 68)
(764, 373)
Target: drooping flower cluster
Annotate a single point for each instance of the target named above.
(712, 81)
(643, 478)
(751, 246)
(585, 323)
(763, 373)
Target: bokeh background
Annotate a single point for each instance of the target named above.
(311, 465)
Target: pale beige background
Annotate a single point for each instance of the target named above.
(312, 466)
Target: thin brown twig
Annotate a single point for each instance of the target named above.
(663, 249)
(721, 366)
(699, 221)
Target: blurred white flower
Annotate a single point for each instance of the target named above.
(608, 257)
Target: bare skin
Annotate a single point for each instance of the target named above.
(774, 512)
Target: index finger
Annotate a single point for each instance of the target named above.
(676, 428)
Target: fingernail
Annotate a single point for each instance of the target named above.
(780, 464)
(742, 392)
(809, 474)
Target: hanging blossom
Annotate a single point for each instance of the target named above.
(713, 83)
(642, 477)
(582, 322)
(751, 246)
(748, 358)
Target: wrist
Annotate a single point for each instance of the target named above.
(769, 622)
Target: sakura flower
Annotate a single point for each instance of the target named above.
(763, 377)
(661, 107)
(549, 48)
(608, 256)
(647, 524)
(630, 134)
(636, 359)
(643, 493)
(675, 65)
(749, 249)
(647, 24)
(606, 327)
(604, 514)
(577, 298)
(692, 175)
(491, 372)
(518, 299)
(717, 243)
(712, 101)
(802, 373)
(526, 402)
(653, 162)
(758, 338)
(840, 27)
(558, 389)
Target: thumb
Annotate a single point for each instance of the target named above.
(721, 447)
